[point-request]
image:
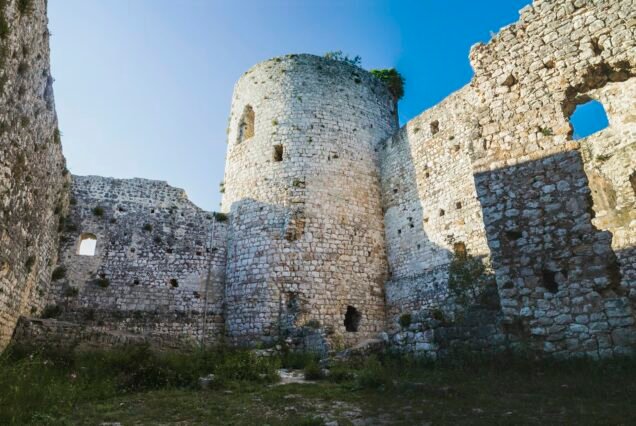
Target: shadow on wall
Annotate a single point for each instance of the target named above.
(433, 223)
(556, 272)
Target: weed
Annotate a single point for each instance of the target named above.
(313, 371)
(393, 80)
(58, 273)
(25, 7)
(338, 55)
(220, 217)
(546, 131)
(102, 282)
(71, 292)
(51, 311)
(98, 211)
(405, 320)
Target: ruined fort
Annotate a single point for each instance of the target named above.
(482, 223)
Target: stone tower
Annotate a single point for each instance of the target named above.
(306, 244)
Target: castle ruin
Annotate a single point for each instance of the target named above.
(336, 226)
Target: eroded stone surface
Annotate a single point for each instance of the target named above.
(33, 176)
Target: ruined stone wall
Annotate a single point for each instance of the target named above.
(430, 203)
(610, 166)
(557, 273)
(306, 238)
(154, 253)
(33, 177)
(557, 213)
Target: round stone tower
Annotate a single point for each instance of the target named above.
(306, 240)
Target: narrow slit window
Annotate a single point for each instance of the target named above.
(587, 119)
(246, 125)
(87, 245)
(278, 153)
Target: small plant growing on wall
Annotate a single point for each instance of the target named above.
(25, 7)
(71, 292)
(51, 311)
(467, 275)
(102, 282)
(58, 273)
(546, 131)
(98, 211)
(405, 320)
(147, 227)
(338, 55)
(392, 79)
(220, 217)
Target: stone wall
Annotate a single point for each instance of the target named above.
(558, 214)
(154, 254)
(33, 177)
(556, 270)
(340, 226)
(306, 239)
(430, 203)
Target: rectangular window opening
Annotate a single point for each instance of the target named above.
(278, 152)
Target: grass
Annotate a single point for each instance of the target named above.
(135, 385)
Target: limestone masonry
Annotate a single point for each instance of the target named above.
(482, 223)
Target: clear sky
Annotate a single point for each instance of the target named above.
(143, 87)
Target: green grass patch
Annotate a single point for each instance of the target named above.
(135, 385)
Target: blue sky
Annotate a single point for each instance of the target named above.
(143, 87)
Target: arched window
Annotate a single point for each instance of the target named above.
(87, 244)
(588, 118)
(246, 125)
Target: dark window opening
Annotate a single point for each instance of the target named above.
(587, 119)
(458, 205)
(352, 319)
(174, 283)
(549, 281)
(246, 125)
(442, 212)
(460, 250)
(278, 153)
(199, 253)
(435, 127)
(513, 234)
(136, 282)
(169, 251)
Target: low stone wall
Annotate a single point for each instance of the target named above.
(480, 330)
(41, 333)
